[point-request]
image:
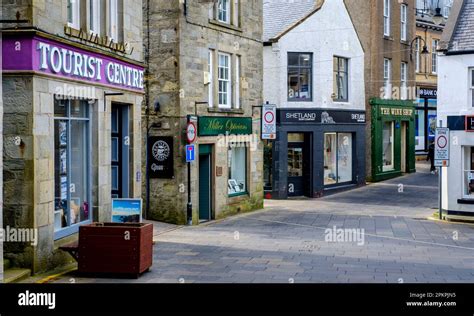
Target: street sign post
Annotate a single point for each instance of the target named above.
(268, 121)
(442, 147)
(190, 153)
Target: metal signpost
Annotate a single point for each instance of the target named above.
(191, 132)
(441, 157)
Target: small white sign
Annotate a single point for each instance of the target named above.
(268, 121)
(442, 147)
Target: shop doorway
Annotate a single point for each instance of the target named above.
(403, 147)
(120, 143)
(299, 172)
(205, 182)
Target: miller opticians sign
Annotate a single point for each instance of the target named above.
(34, 53)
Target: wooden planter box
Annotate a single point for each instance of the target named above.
(115, 248)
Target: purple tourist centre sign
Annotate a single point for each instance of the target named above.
(38, 54)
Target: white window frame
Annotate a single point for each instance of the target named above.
(210, 69)
(76, 13)
(391, 167)
(113, 19)
(417, 58)
(386, 17)
(403, 21)
(447, 8)
(387, 77)
(465, 169)
(471, 85)
(227, 81)
(225, 10)
(404, 80)
(434, 56)
(94, 16)
(237, 82)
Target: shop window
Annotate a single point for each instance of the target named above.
(341, 79)
(237, 162)
(337, 158)
(73, 13)
(224, 79)
(388, 148)
(72, 166)
(94, 16)
(403, 22)
(267, 164)
(420, 130)
(295, 162)
(468, 181)
(300, 76)
(386, 17)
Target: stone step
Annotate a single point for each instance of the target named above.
(15, 275)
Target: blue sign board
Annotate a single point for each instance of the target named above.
(190, 153)
(126, 210)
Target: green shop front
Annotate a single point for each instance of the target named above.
(228, 167)
(393, 138)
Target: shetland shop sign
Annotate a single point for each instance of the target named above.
(58, 59)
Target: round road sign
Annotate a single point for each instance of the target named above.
(442, 142)
(191, 132)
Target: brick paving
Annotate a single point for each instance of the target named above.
(286, 242)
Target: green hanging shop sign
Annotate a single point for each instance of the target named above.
(215, 125)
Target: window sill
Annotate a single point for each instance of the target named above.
(238, 194)
(225, 25)
(404, 42)
(388, 38)
(224, 110)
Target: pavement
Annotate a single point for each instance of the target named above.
(379, 233)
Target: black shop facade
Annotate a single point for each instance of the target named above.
(316, 152)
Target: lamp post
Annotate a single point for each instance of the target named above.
(424, 51)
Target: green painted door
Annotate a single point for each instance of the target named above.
(205, 194)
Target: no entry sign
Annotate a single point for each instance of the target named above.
(442, 147)
(268, 121)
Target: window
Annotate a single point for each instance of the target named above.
(417, 58)
(210, 70)
(386, 17)
(468, 181)
(237, 82)
(299, 77)
(341, 79)
(223, 11)
(73, 13)
(113, 20)
(388, 132)
(403, 22)
(94, 16)
(434, 57)
(471, 71)
(387, 77)
(403, 80)
(237, 183)
(447, 8)
(71, 165)
(224, 79)
(337, 158)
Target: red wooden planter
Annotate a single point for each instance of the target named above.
(115, 248)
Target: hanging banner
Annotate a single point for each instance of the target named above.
(160, 157)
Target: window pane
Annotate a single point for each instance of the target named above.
(115, 177)
(60, 174)
(237, 182)
(305, 84)
(344, 157)
(293, 83)
(293, 59)
(70, 11)
(388, 146)
(420, 130)
(79, 185)
(330, 155)
(295, 162)
(305, 60)
(60, 107)
(115, 149)
(79, 108)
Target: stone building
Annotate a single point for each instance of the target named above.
(314, 74)
(428, 32)
(72, 92)
(386, 29)
(205, 61)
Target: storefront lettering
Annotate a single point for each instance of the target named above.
(396, 111)
(301, 116)
(214, 126)
(68, 62)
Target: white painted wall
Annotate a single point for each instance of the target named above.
(327, 33)
(454, 99)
